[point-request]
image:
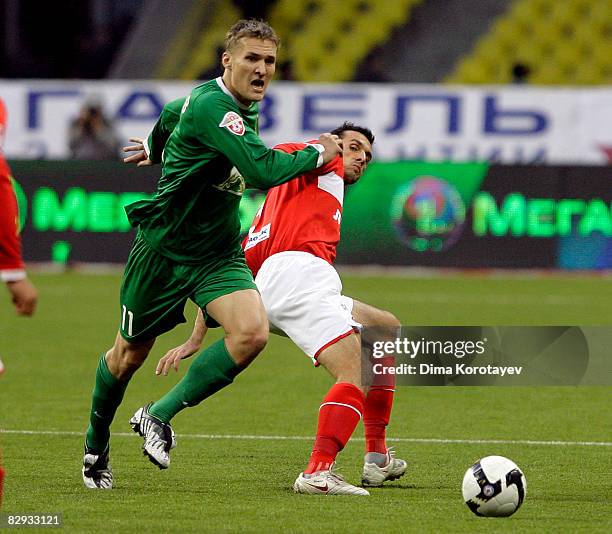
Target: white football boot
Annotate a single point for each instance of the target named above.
(374, 475)
(158, 436)
(97, 471)
(325, 483)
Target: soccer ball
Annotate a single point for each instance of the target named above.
(494, 487)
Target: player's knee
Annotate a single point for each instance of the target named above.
(256, 339)
(390, 320)
(128, 366)
(123, 361)
(351, 376)
(352, 371)
(248, 342)
(344, 366)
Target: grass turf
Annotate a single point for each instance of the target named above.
(243, 484)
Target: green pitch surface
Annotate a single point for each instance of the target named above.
(239, 452)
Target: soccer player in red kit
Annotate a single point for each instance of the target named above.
(290, 248)
(12, 271)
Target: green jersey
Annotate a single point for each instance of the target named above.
(156, 141)
(193, 216)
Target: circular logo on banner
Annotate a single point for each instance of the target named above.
(428, 214)
(22, 203)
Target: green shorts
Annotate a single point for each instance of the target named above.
(155, 289)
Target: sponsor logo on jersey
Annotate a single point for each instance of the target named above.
(337, 216)
(257, 237)
(233, 122)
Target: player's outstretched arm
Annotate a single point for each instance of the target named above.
(173, 357)
(265, 168)
(217, 124)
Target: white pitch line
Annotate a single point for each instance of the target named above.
(310, 438)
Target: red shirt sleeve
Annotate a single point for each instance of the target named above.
(11, 262)
(2, 123)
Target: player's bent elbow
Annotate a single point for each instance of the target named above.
(259, 181)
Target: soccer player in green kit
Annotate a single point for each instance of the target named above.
(188, 247)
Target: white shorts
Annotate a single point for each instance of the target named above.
(302, 297)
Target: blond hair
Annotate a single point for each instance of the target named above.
(250, 28)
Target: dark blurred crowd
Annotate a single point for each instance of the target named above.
(67, 39)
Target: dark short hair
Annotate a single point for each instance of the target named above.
(354, 128)
(250, 28)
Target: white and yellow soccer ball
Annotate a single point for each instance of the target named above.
(494, 487)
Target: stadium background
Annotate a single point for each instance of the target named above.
(494, 151)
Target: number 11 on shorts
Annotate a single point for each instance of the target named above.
(130, 318)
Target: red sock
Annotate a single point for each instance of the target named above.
(339, 414)
(376, 415)
(1, 481)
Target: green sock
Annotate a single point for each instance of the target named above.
(106, 398)
(212, 370)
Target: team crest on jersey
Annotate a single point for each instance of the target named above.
(233, 122)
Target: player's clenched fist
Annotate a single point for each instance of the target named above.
(331, 145)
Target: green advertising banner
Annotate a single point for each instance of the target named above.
(401, 214)
(405, 207)
(73, 211)
(476, 215)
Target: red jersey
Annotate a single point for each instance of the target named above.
(303, 214)
(11, 264)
